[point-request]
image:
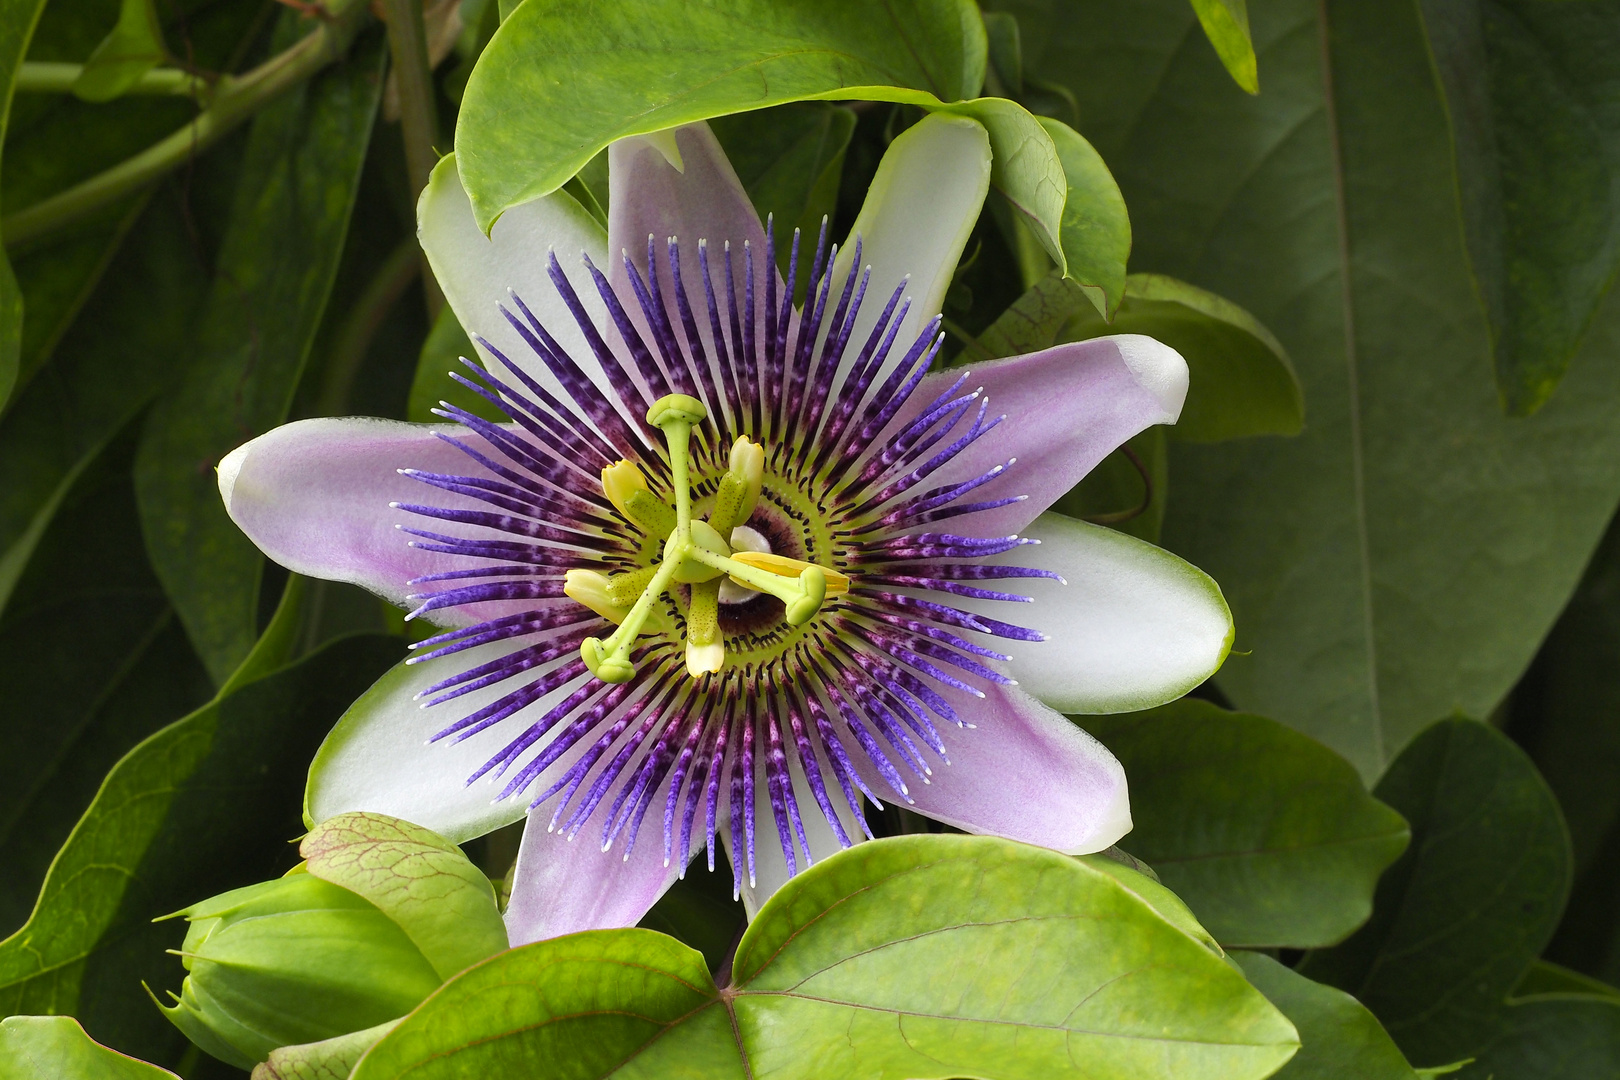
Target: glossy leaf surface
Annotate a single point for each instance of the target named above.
(1269, 836)
(859, 967)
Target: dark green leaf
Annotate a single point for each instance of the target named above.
(700, 911)
(586, 75)
(916, 956)
(134, 47)
(790, 160)
(56, 1047)
(95, 661)
(1458, 919)
(1268, 835)
(1114, 493)
(1548, 978)
(204, 805)
(1339, 1039)
(17, 21)
(417, 878)
(1531, 90)
(276, 269)
(1242, 382)
(1571, 1037)
(1405, 555)
(1226, 24)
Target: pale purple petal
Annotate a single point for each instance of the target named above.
(1067, 408)
(563, 886)
(1026, 773)
(315, 496)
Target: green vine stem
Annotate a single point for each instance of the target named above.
(418, 119)
(49, 77)
(235, 99)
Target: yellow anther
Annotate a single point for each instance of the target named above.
(603, 596)
(740, 486)
(619, 481)
(782, 566)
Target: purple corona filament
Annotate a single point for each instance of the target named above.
(869, 684)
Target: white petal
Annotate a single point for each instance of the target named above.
(378, 757)
(476, 271)
(1134, 627)
(916, 220)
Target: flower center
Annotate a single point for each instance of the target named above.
(706, 555)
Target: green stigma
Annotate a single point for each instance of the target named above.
(695, 553)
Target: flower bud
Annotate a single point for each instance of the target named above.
(295, 960)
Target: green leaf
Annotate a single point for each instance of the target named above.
(582, 76)
(1242, 382)
(17, 21)
(1115, 493)
(276, 268)
(93, 662)
(422, 881)
(1226, 24)
(1338, 1037)
(1530, 88)
(1405, 555)
(330, 1059)
(1574, 1037)
(57, 1047)
(1156, 896)
(917, 956)
(790, 160)
(199, 807)
(134, 47)
(1266, 834)
(1096, 231)
(1564, 716)
(1549, 978)
(1458, 920)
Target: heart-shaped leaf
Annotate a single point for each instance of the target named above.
(57, 1047)
(1338, 1037)
(917, 956)
(1459, 918)
(1267, 835)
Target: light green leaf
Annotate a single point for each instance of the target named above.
(276, 268)
(560, 81)
(37, 1047)
(1241, 380)
(1266, 834)
(1458, 920)
(160, 832)
(422, 881)
(1528, 88)
(1571, 1037)
(1226, 24)
(330, 1059)
(1339, 1039)
(917, 956)
(17, 21)
(134, 47)
(1096, 231)
(1406, 554)
(1159, 898)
